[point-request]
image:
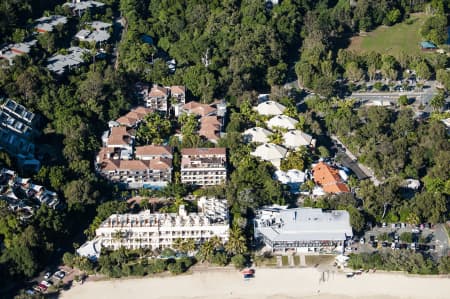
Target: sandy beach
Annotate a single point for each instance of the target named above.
(267, 284)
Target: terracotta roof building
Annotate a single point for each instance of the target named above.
(134, 117)
(150, 152)
(135, 174)
(199, 109)
(329, 178)
(204, 166)
(210, 127)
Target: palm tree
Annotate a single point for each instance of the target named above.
(206, 251)
(189, 245)
(237, 242)
(276, 137)
(177, 244)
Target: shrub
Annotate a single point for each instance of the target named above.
(239, 261)
(220, 258)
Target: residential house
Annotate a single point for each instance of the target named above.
(270, 108)
(293, 178)
(79, 6)
(157, 98)
(11, 51)
(59, 63)
(296, 138)
(282, 121)
(304, 230)
(329, 179)
(256, 134)
(48, 24)
(203, 166)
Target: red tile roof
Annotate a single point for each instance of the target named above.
(203, 151)
(119, 136)
(153, 150)
(158, 91)
(198, 108)
(329, 178)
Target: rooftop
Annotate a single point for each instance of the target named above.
(217, 151)
(60, 63)
(303, 224)
(329, 178)
(270, 108)
(257, 134)
(269, 152)
(282, 121)
(47, 24)
(199, 109)
(83, 5)
(153, 150)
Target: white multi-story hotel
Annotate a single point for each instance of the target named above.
(204, 166)
(159, 230)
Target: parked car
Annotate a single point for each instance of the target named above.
(361, 241)
(59, 274)
(46, 283)
(42, 287)
(47, 275)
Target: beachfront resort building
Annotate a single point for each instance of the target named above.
(159, 230)
(203, 166)
(303, 230)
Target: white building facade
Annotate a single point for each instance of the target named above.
(204, 166)
(158, 230)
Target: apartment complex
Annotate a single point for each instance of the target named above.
(204, 166)
(130, 166)
(302, 229)
(17, 131)
(159, 230)
(157, 97)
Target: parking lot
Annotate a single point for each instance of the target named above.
(397, 236)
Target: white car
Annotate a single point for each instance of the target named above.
(361, 241)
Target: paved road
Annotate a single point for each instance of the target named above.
(442, 240)
(349, 160)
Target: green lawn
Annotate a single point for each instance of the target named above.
(285, 261)
(296, 260)
(393, 40)
(312, 260)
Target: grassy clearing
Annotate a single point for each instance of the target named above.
(393, 40)
(265, 261)
(312, 260)
(285, 261)
(296, 260)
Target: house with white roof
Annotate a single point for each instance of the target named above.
(79, 6)
(270, 152)
(9, 52)
(296, 138)
(270, 108)
(47, 24)
(257, 134)
(282, 121)
(59, 63)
